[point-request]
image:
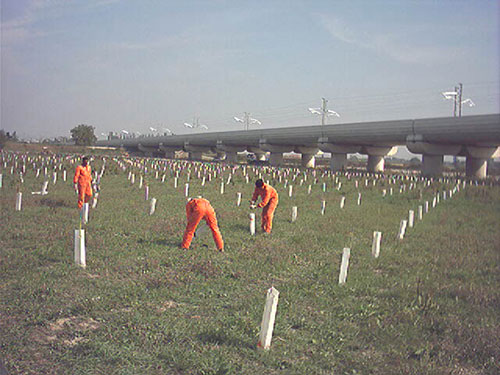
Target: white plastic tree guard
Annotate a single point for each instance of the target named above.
(294, 214)
(152, 207)
(402, 229)
(344, 265)
(252, 223)
(268, 318)
(85, 213)
(411, 218)
(19, 200)
(80, 247)
(238, 199)
(377, 237)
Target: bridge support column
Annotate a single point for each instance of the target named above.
(308, 160)
(432, 153)
(195, 155)
(260, 156)
(276, 158)
(231, 157)
(308, 155)
(432, 165)
(339, 152)
(375, 163)
(148, 151)
(476, 164)
(169, 154)
(231, 151)
(376, 156)
(338, 162)
(476, 167)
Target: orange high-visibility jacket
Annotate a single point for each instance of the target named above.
(266, 192)
(83, 175)
(196, 210)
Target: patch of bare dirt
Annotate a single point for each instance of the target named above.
(68, 331)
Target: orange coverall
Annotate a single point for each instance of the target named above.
(83, 177)
(269, 202)
(197, 209)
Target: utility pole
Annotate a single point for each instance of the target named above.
(459, 96)
(323, 111)
(455, 101)
(247, 120)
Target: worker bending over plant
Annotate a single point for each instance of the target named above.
(197, 209)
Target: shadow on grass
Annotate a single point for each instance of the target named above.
(162, 242)
(221, 338)
(54, 203)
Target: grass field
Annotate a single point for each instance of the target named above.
(430, 304)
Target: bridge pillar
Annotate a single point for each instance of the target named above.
(375, 163)
(476, 162)
(169, 154)
(432, 153)
(260, 156)
(339, 152)
(196, 151)
(148, 151)
(476, 167)
(376, 156)
(338, 162)
(308, 160)
(195, 155)
(308, 155)
(231, 157)
(276, 158)
(231, 151)
(432, 165)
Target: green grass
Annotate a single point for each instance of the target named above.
(428, 305)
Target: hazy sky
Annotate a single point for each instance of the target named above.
(125, 64)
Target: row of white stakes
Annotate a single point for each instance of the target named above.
(421, 210)
(271, 306)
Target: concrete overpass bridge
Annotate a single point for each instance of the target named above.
(475, 137)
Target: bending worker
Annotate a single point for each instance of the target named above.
(197, 209)
(83, 182)
(269, 202)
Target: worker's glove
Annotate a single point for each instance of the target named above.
(76, 188)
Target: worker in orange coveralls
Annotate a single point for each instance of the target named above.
(83, 182)
(269, 202)
(197, 209)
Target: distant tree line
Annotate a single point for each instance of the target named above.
(83, 135)
(7, 136)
